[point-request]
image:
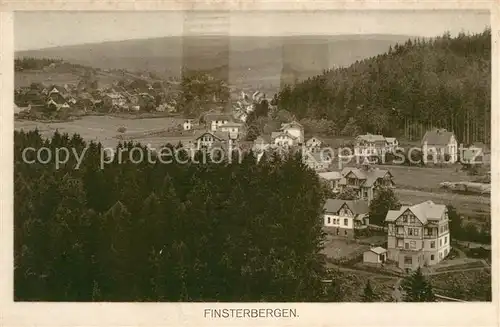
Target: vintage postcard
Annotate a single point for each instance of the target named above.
(246, 166)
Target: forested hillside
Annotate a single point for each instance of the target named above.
(443, 82)
(164, 232)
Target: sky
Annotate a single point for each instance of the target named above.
(43, 29)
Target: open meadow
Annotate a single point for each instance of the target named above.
(105, 129)
(418, 184)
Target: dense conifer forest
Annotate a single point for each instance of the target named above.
(164, 232)
(442, 82)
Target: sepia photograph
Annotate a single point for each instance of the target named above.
(252, 156)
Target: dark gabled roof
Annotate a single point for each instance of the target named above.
(437, 137)
(369, 176)
(221, 136)
(278, 134)
(59, 88)
(358, 207)
(291, 124)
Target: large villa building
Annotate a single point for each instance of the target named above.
(418, 235)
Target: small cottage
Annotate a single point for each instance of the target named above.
(376, 255)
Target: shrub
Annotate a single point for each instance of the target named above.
(121, 129)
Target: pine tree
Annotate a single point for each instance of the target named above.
(384, 200)
(368, 293)
(417, 288)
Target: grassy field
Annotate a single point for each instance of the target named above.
(425, 178)
(335, 248)
(418, 184)
(104, 128)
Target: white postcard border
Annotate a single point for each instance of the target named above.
(191, 314)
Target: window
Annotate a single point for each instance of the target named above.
(433, 244)
(445, 252)
(440, 255)
(405, 218)
(365, 194)
(408, 261)
(440, 241)
(338, 231)
(412, 219)
(413, 244)
(446, 240)
(416, 232)
(407, 246)
(432, 257)
(345, 233)
(400, 230)
(345, 222)
(400, 243)
(410, 231)
(329, 220)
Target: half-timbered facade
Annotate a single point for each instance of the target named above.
(418, 235)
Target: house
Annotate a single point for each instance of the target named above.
(295, 129)
(114, 100)
(262, 143)
(208, 139)
(473, 154)
(418, 235)
(332, 178)
(391, 144)
(33, 97)
(188, 125)
(57, 89)
(283, 139)
(214, 121)
(317, 161)
(313, 144)
(234, 129)
(369, 145)
(57, 103)
(439, 145)
(376, 255)
(18, 110)
(365, 181)
(344, 217)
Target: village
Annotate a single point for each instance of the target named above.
(413, 231)
(415, 235)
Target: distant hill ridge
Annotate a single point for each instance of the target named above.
(169, 53)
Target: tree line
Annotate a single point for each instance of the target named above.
(33, 63)
(441, 82)
(164, 232)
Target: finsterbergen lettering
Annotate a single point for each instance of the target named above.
(250, 313)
